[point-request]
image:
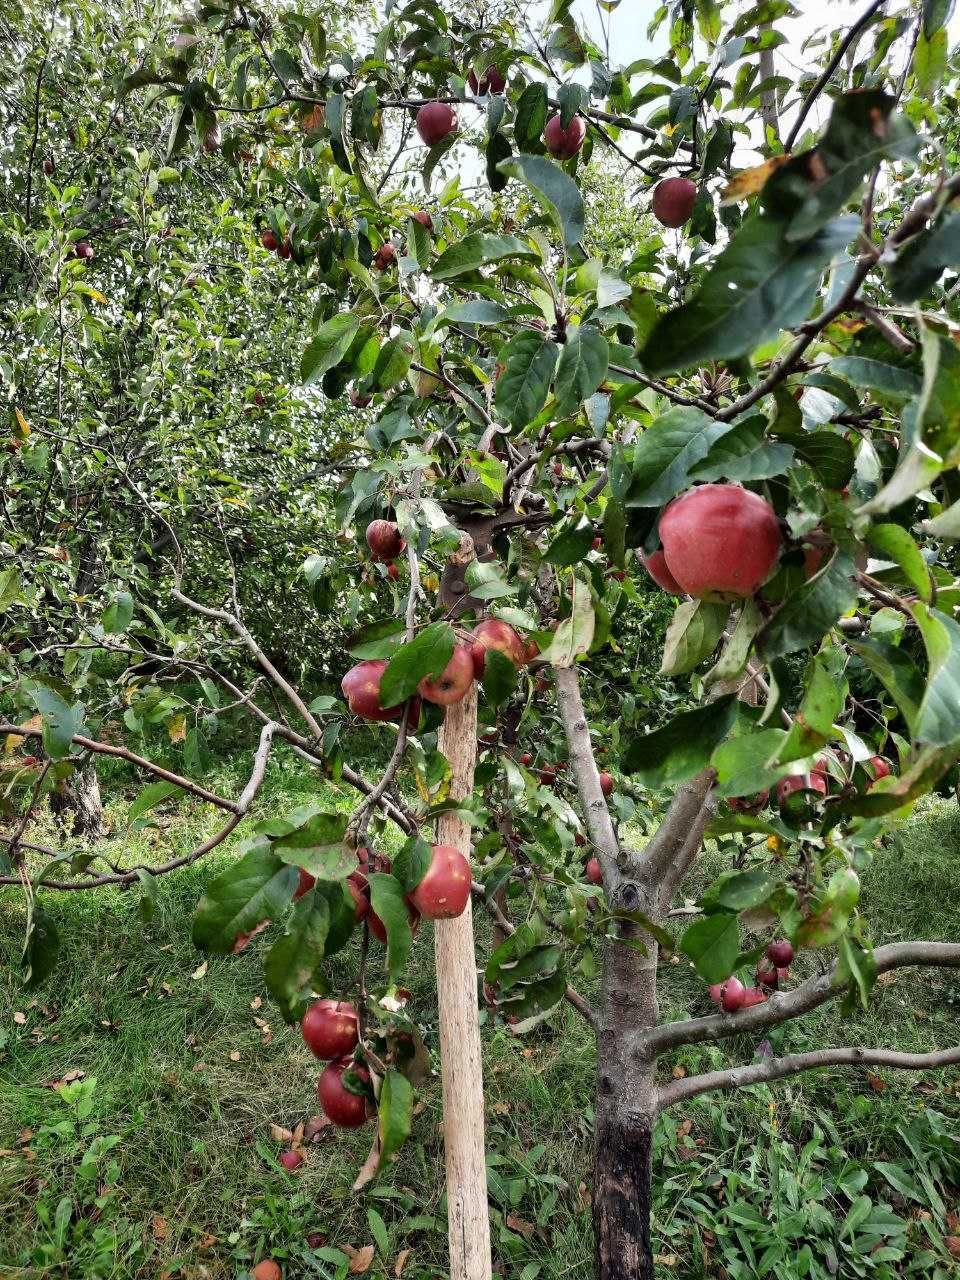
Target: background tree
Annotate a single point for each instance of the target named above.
(534, 396)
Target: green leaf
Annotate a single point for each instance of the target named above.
(574, 635)
(830, 455)
(713, 944)
(692, 635)
(531, 117)
(41, 949)
(760, 285)
(478, 312)
(150, 796)
(10, 584)
(897, 672)
(824, 695)
(335, 120)
(682, 747)
(666, 454)
(393, 363)
(743, 891)
(389, 903)
(877, 375)
(292, 967)
(499, 677)
(857, 968)
(328, 346)
(811, 611)
(570, 546)
(378, 640)
(583, 366)
(427, 654)
(318, 847)
(413, 861)
(736, 651)
(555, 191)
(530, 359)
(118, 614)
(742, 454)
(395, 1117)
(61, 722)
(938, 719)
(479, 250)
(923, 259)
(894, 543)
(256, 888)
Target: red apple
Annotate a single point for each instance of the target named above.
(526, 758)
(356, 887)
(673, 201)
(267, 1270)
(393, 573)
(453, 683)
(813, 560)
(780, 953)
(83, 250)
(330, 1029)
(436, 121)
(733, 994)
(445, 889)
(385, 256)
(258, 399)
(490, 82)
(349, 1110)
(384, 540)
(305, 884)
(548, 774)
(768, 975)
(48, 166)
(715, 991)
(316, 1239)
(269, 240)
(492, 634)
(720, 541)
(361, 688)
(424, 219)
(606, 783)
(881, 769)
(212, 139)
(291, 1160)
(812, 781)
(656, 565)
(579, 839)
(594, 871)
(752, 996)
(596, 544)
(749, 804)
(564, 143)
(286, 248)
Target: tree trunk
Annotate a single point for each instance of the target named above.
(77, 804)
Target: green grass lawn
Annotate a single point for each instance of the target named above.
(156, 1159)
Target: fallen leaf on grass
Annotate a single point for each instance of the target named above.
(315, 1126)
(401, 1261)
(279, 1134)
(953, 1245)
(67, 1078)
(235, 1055)
(19, 1018)
(199, 973)
(160, 1227)
(525, 1229)
(360, 1259)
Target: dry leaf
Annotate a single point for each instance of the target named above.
(256, 1002)
(68, 1078)
(199, 973)
(315, 1126)
(666, 1259)
(679, 1072)
(279, 1134)
(20, 1018)
(160, 1227)
(207, 1241)
(684, 1128)
(368, 1170)
(401, 1261)
(500, 1109)
(361, 1260)
(177, 728)
(523, 1228)
(749, 181)
(877, 1084)
(953, 1245)
(235, 1055)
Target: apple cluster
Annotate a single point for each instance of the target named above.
(774, 968)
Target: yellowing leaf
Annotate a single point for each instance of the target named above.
(749, 181)
(14, 740)
(177, 728)
(22, 423)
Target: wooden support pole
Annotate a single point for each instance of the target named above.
(468, 1218)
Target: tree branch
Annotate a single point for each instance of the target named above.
(783, 1006)
(681, 821)
(792, 1064)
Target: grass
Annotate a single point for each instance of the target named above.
(158, 1160)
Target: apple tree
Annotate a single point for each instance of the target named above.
(747, 400)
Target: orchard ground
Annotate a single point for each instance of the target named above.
(157, 1160)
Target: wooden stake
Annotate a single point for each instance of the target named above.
(468, 1218)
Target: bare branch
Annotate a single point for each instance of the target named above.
(587, 776)
(792, 1064)
(671, 877)
(682, 820)
(791, 1004)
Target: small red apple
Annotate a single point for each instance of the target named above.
(444, 891)
(768, 975)
(330, 1029)
(83, 250)
(385, 256)
(715, 991)
(453, 683)
(346, 1109)
(733, 995)
(393, 573)
(673, 201)
(548, 775)
(881, 769)
(286, 248)
(269, 240)
(812, 781)
(258, 399)
(424, 219)
(493, 634)
(267, 1270)
(436, 121)
(48, 166)
(526, 758)
(384, 540)
(813, 560)
(579, 839)
(316, 1239)
(564, 143)
(593, 871)
(720, 541)
(490, 82)
(656, 565)
(752, 996)
(780, 953)
(291, 1160)
(212, 139)
(379, 929)
(597, 544)
(606, 783)
(361, 688)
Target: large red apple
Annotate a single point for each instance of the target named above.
(385, 256)
(361, 688)
(656, 565)
(330, 1028)
(673, 201)
(424, 219)
(452, 684)
(436, 121)
(720, 541)
(349, 1110)
(445, 889)
(267, 1270)
(732, 995)
(492, 634)
(564, 142)
(812, 781)
(82, 249)
(384, 540)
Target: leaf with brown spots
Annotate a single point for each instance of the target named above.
(749, 181)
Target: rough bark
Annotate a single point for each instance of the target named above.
(77, 804)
